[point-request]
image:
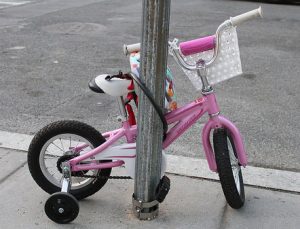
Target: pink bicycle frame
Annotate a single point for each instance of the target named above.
(183, 118)
(187, 115)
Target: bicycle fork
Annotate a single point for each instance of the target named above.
(217, 121)
(221, 122)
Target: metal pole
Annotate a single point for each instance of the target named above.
(156, 16)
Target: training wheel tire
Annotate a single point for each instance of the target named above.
(62, 207)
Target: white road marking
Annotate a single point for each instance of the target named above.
(14, 3)
(262, 177)
(17, 48)
(7, 3)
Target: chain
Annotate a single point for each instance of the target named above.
(103, 177)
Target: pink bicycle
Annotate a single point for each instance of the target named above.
(72, 160)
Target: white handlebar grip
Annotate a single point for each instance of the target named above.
(246, 16)
(127, 49)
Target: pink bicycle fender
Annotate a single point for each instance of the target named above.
(221, 121)
(197, 45)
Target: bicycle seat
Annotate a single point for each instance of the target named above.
(94, 87)
(113, 87)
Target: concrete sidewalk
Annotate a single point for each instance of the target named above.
(191, 203)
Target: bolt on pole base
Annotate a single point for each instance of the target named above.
(145, 210)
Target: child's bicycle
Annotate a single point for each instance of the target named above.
(72, 160)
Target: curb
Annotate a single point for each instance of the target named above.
(254, 176)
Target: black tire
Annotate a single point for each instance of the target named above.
(58, 128)
(61, 207)
(233, 189)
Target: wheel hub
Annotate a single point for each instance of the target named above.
(61, 210)
(65, 158)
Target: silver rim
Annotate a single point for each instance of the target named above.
(235, 167)
(56, 147)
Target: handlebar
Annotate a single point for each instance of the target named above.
(198, 45)
(186, 48)
(127, 49)
(231, 22)
(201, 44)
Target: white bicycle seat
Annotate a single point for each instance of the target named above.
(114, 86)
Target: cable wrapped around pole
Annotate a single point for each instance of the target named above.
(150, 97)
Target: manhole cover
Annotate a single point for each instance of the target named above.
(75, 28)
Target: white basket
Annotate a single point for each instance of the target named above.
(227, 64)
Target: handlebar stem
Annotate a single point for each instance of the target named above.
(202, 73)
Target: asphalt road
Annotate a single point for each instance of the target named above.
(49, 50)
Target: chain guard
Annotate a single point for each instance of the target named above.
(83, 173)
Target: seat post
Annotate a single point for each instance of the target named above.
(122, 109)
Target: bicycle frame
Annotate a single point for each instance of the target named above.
(183, 118)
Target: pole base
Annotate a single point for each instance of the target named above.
(145, 210)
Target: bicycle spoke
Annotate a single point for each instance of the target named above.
(57, 147)
(236, 176)
(62, 144)
(51, 154)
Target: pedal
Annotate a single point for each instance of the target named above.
(163, 189)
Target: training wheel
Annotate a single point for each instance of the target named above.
(62, 207)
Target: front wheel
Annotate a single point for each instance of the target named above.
(229, 169)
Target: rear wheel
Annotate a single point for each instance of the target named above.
(53, 145)
(229, 169)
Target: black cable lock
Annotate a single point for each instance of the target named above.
(151, 99)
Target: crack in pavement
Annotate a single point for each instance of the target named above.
(223, 221)
(12, 172)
